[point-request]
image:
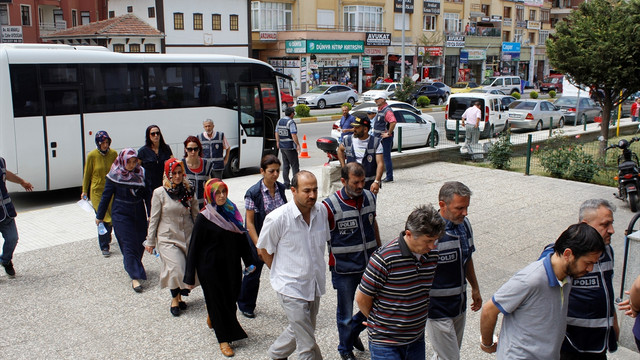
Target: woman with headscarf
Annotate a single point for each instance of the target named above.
(218, 242)
(173, 210)
(125, 185)
(197, 169)
(153, 155)
(98, 163)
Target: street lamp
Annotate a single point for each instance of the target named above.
(402, 59)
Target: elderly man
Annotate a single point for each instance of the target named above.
(592, 323)
(366, 150)
(534, 302)
(214, 144)
(394, 291)
(345, 122)
(354, 238)
(383, 126)
(447, 310)
(292, 243)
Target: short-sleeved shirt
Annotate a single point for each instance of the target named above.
(399, 282)
(298, 267)
(534, 304)
(360, 147)
(471, 115)
(270, 203)
(345, 123)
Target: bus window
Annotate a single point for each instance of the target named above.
(24, 86)
(250, 116)
(59, 74)
(113, 87)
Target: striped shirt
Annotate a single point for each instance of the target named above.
(270, 203)
(399, 284)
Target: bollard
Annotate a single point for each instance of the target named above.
(584, 126)
(457, 131)
(399, 139)
(529, 152)
(432, 135)
(550, 126)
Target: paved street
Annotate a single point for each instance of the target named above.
(67, 301)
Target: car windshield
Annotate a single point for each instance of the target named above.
(459, 85)
(552, 80)
(319, 89)
(488, 81)
(458, 105)
(523, 105)
(570, 101)
(380, 87)
(366, 104)
(479, 91)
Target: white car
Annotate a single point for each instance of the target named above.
(388, 89)
(416, 127)
(322, 96)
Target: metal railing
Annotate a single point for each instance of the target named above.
(48, 28)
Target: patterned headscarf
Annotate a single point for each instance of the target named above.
(119, 173)
(226, 215)
(100, 137)
(183, 191)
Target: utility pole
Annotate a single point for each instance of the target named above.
(402, 59)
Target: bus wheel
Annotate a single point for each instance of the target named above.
(233, 166)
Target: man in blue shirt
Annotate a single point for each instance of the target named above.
(287, 139)
(345, 122)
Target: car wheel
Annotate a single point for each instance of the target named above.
(284, 105)
(322, 104)
(539, 125)
(233, 165)
(514, 91)
(561, 123)
(351, 101)
(436, 139)
(440, 101)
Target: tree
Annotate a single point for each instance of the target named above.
(598, 45)
(408, 86)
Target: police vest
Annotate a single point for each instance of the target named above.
(590, 314)
(6, 206)
(197, 180)
(255, 194)
(448, 293)
(353, 237)
(213, 149)
(284, 131)
(380, 125)
(368, 160)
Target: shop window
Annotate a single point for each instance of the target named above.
(4, 14)
(85, 17)
(178, 21)
(197, 21)
(151, 12)
(233, 23)
(270, 16)
(118, 48)
(150, 48)
(25, 12)
(134, 48)
(429, 23)
(216, 22)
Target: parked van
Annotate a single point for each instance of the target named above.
(507, 84)
(494, 115)
(552, 82)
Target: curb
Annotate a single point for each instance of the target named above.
(337, 117)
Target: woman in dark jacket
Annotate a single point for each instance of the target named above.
(125, 184)
(153, 155)
(218, 242)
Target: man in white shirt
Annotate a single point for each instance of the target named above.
(471, 120)
(366, 150)
(292, 243)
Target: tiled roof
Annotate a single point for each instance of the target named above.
(125, 25)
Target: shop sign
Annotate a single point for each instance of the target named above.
(378, 39)
(408, 6)
(373, 51)
(464, 57)
(276, 62)
(496, 18)
(334, 46)
(485, 19)
(430, 50)
(431, 7)
(533, 25)
(303, 69)
(292, 63)
(506, 22)
(268, 36)
(11, 34)
(510, 51)
(476, 54)
(455, 41)
(295, 46)
(521, 24)
(366, 62)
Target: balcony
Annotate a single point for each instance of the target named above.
(48, 28)
(316, 27)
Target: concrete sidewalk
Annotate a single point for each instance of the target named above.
(67, 301)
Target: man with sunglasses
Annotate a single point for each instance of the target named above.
(214, 144)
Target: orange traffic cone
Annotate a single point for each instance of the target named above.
(304, 154)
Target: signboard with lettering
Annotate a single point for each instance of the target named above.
(510, 51)
(431, 7)
(533, 2)
(11, 34)
(533, 25)
(334, 46)
(295, 46)
(408, 6)
(521, 24)
(476, 54)
(506, 22)
(455, 41)
(378, 39)
(268, 36)
(373, 51)
(366, 62)
(430, 51)
(496, 18)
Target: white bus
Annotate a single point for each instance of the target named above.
(54, 98)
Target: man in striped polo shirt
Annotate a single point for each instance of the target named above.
(394, 291)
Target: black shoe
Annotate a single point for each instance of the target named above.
(137, 289)
(249, 314)
(357, 343)
(387, 180)
(175, 311)
(106, 253)
(182, 305)
(8, 267)
(348, 356)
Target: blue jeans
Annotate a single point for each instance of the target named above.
(10, 234)
(412, 351)
(387, 143)
(349, 325)
(105, 240)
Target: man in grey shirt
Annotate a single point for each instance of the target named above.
(534, 301)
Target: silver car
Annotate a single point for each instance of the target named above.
(587, 111)
(534, 114)
(322, 96)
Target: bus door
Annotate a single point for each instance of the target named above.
(250, 125)
(63, 136)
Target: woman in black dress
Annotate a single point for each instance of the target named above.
(152, 156)
(218, 242)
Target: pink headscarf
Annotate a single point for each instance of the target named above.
(119, 173)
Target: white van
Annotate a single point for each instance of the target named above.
(388, 89)
(507, 84)
(494, 113)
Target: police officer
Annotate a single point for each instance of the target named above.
(383, 126)
(447, 308)
(592, 323)
(354, 237)
(287, 139)
(214, 144)
(364, 149)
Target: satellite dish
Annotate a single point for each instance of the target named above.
(415, 77)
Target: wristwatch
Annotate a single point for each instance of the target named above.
(377, 181)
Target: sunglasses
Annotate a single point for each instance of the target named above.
(155, 133)
(193, 149)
